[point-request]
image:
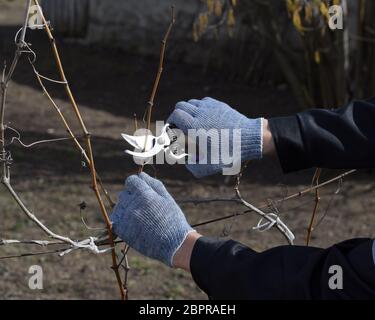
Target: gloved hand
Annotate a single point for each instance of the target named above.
(148, 219)
(212, 114)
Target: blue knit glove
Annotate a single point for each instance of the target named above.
(148, 219)
(212, 114)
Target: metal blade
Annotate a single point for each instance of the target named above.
(138, 142)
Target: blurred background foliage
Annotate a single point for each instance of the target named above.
(323, 67)
(263, 42)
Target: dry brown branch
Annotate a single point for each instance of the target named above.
(86, 152)
(126, 267)
(150, 103)
(264, 206)
(69, 130)
(160, 70)
(5, 157)
(207, 200)
(261, 206)
(310, 228)
(88, 146)
(31, 254)
(104, 242)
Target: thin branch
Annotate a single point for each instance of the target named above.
(5, 158)
(126, 267)
(31, 254)
(329, 205)
(88, 145)
(103, 241)
(26, 17)
(30, 145)
(70, 132)
(264, 206)
(157, 78)
(207, 200)
(160, 69)
(272, 219)
(42, 243)
(316, 205)
(86, 243)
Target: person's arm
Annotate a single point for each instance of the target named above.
(337, 139)
(182, 258)
(268, 141)
(226, 269)
(150, 221)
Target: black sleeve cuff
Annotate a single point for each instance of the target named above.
(220, 268)
(286, 133)
(201, 261)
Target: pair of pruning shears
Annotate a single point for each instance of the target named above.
(148, 146)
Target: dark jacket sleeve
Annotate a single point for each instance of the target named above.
(226, 269)
(337, 139)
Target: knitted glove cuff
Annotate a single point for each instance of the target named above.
(251, 139)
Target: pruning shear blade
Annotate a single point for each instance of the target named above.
(148, 146)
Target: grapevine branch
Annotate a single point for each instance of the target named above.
(150, 103)
(91, 243)
(316, 205)
(5, 158)
(103, 241)
(89, 148)
(296, 195)
(272, 219)
(160, 70)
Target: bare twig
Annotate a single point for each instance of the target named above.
(207, 200)
(160, 69)
(126, 267)
(88, 145)
(5, 157)
(87, 243)
(87, 152)
(264, 206)
(42, 243)
(103, 241)
(30, 254)
(155, 87)
(316, 205)
(70, 132)
(272, 220)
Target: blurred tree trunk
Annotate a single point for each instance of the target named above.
(364, 80)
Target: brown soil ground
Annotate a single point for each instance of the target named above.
(110, 86)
